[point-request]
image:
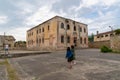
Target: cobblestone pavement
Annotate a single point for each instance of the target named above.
(91, 65)
(3, 72)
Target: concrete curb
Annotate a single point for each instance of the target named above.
(15, 55)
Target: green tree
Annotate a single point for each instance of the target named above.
(91, 38)
(20, 44)
(117, 32)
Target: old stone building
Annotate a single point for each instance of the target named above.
(57, 33)
(102, 39)
(103, 36)
(6, 39)
(115, 43)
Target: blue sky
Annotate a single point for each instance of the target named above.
(17, 16)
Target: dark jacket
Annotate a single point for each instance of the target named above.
(69, 54)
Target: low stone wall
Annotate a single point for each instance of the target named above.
(19, 48)
(115, 43)
(99, 44)
(21, 54)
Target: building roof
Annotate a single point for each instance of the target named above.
(8, 37)
(53, 18)
(108, 32)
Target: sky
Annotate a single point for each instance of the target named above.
(18, 16)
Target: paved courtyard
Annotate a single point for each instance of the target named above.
(91, 65)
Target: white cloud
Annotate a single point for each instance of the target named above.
(42, 14)
(95, 3)
(39, 16)
(36, 13)
(25, 7)
(109, 2)
(19, 33)
(105, 14)
(102, 22)
(89, 3)
(3, 19)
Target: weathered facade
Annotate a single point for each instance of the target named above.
(103, 36)
(102, 39)
(57, 33)
(115, 43)
(6, 39)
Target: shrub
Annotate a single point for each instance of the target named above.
(105, 49)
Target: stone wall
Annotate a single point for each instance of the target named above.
(99, 44)
(115, 43)
(19, 48)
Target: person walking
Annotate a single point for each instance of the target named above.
(69, 57)
(73, 52)
(6, 49)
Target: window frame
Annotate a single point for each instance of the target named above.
(62, 25)
(74, 28)
(68, 39)
(68, 27)
(62, 38)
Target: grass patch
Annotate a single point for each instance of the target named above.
(117, 52)
(11, 72)
(2, 63)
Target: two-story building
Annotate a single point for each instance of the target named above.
(58, 33)
(7, 39)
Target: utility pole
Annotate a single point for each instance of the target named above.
(111, 29)
(4, 41)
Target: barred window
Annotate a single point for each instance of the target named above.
(39, 30)
(37, 41)
(81, 40)
(62, 25)
(68, 39)
(42, 29)
(85, 40)
(42, 40)
(48, 27)
(62, 39)
(75, 39)
(84, 30)
(68, 27)
(80, 29)
(74, 28)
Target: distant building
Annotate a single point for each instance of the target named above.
(102, 39)
(110, 39)
(103, 36)
(57, 33)
(7, 40)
